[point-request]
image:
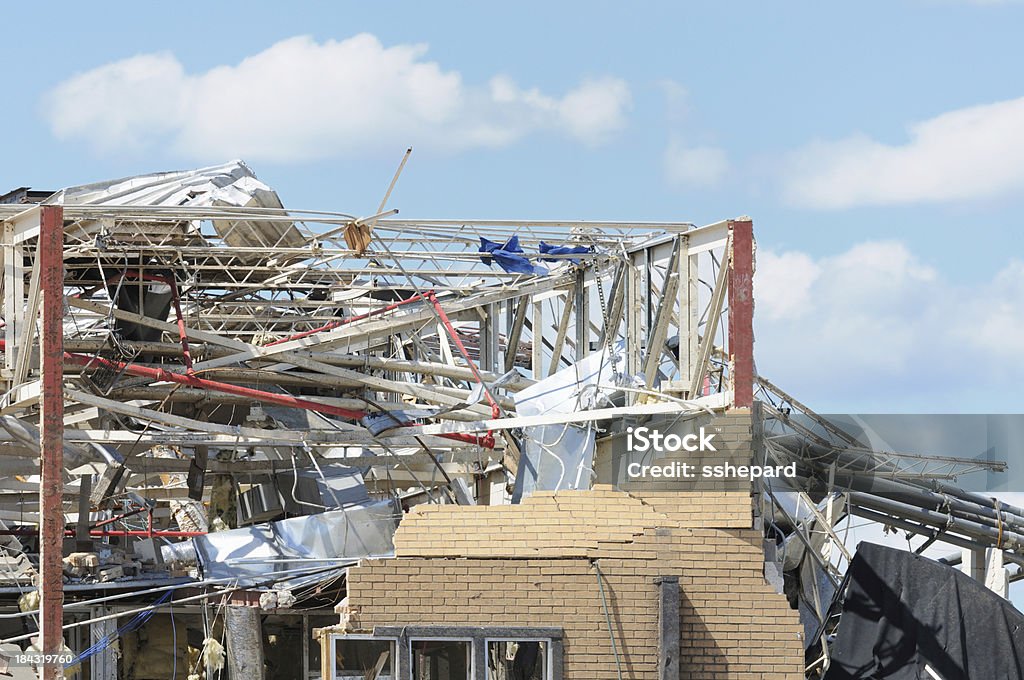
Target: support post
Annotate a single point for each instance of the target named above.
(83, 543)
(515, 332)
(244, 635)
(662, 317)
(689, 314)
(996, 578)
(582, 320)
(14, 295)
(633, 305)
(537, 340)
(972, 563)
(563, 328)
(741, 311)
(50, 261)
(104, 662)
(668, 627)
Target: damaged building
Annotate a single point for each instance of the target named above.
(241, 440)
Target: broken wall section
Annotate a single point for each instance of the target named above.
(724, 505)
(539, 564)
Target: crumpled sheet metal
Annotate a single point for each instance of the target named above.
(335, 537)
(231, 184)
(558, 457)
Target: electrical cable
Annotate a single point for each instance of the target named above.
(174, 641)
(134, 624)
(608, 619)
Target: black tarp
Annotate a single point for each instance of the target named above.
(903, 612)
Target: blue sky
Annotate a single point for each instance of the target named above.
(877, 145)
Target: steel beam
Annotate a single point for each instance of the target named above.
(707, 342)
(563, 327)
(689, 312)
(515, 333)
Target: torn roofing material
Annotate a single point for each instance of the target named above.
(331, 538)
(231, 184)
(561, 456)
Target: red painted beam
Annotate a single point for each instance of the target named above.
(341, 322)
(741, 312)
(193, 380)
(175, 300)
(50, 260)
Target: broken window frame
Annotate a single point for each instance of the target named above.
(470, 650)
(549, 671)
(478, 635)
(396, 664)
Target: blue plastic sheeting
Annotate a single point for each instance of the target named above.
(548, 249)
(509, 256)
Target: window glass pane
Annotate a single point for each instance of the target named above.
(517, 660)
(440, 660)
(363, 659)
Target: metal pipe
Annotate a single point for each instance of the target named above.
(514, 383)
(921, 530)
(914, 495)
(946, 488)
(84, 604)
(931, 508)
(1001, 539)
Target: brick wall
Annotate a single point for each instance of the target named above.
(536, 564)
(694, 503)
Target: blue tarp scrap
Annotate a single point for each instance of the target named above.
(509, 256)
(548, 249)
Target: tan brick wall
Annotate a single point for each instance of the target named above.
(698, 503)
(533, 565)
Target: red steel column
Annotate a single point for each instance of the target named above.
(741, 311)
(50, 260)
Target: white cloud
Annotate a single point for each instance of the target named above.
(784, 283)
(997, 321)
(694, 166)
(300, 100)
(971, 153)
(590, 113)
(677, 100)
(876, 328)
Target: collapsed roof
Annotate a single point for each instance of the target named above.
(245, 381)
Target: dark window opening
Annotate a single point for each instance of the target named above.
(441, 660)
(356, 659)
